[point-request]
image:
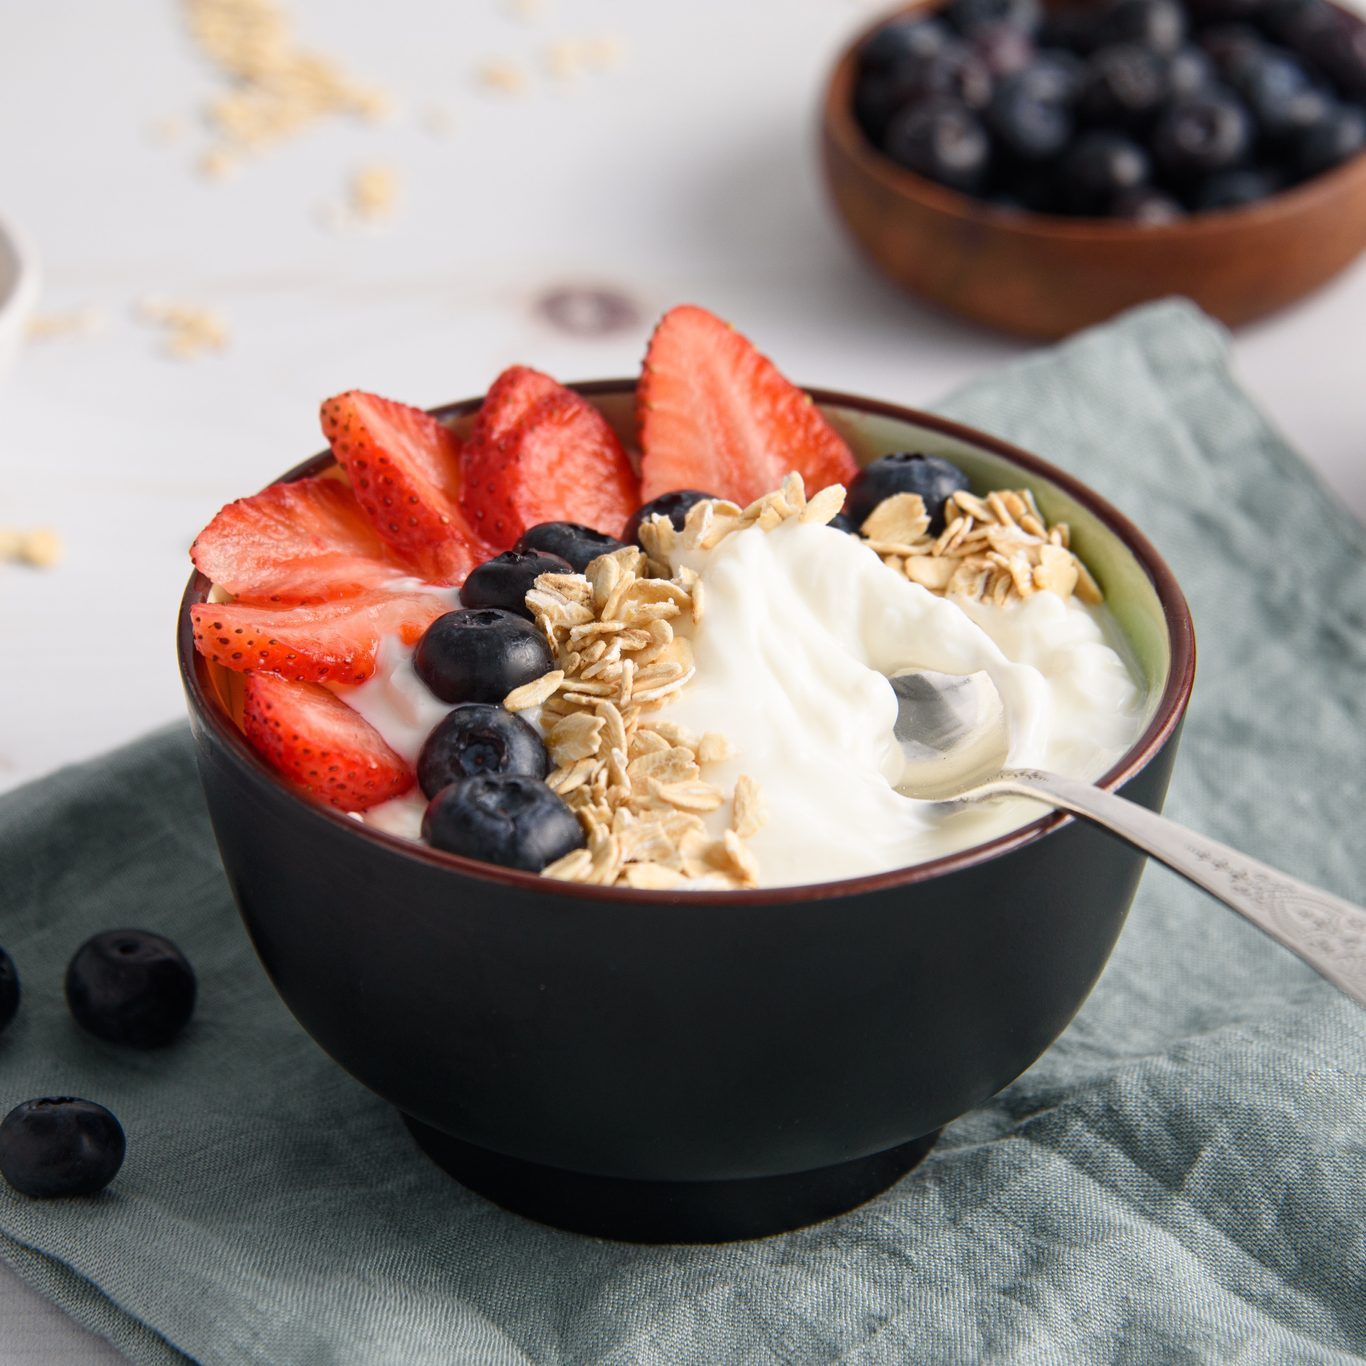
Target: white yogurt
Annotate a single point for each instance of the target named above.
(802, 627)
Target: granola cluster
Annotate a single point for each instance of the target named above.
(992, 549)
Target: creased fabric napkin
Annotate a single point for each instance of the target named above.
(1181, 1178)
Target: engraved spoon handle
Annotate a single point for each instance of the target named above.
(1325, 931)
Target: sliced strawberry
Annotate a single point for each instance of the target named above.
(308, 541)
(559, 461)
(311, 736)
(405, 469)
(510, 398)
(334, 642)
(716, 415)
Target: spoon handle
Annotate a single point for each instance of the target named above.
(1325, 931)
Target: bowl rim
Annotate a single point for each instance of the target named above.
(837, 119)
(1167, 715)
(18, 292)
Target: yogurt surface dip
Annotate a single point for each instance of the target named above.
(799, 629)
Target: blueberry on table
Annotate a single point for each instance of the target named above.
(672, 505)
(942, 141)
(1160, 25)
(508, 819)
(1123, 86)
(506, 579)
(480, 654)
(478, 737)
(60, 1146)
(935, 480)
(1202, 134)
(9, 989)
(1338, 137)
(130, 987)
(1100, 166)
(579, 545)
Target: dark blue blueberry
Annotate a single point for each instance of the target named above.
(673, 505)
(1003, 50)
(1123, 86)
(970, 17)
(1301, 25)
(933, 478)
(1341, 54)
(1098, 167)
(943, 141)
(1189, 71)
(877, 96)
(9, 989)
(1146, 206)
(506, 579)
(1339, 137)
(900, 39)
(579, 545)
(130, 987)
(1233, 189)
(1028, 117)
(1072, 28)
(1202, 134)
(1284, 122)
(1231, 47)
(1159, 25)
(507, 819)
(479, 737)
(480, 654)
(1225, 11)
(60, 1146)
(842, 521)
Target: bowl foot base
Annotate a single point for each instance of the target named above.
(667, 1211)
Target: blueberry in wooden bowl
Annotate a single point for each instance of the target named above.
(1117, 152)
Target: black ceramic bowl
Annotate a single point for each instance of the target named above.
(693, 1067)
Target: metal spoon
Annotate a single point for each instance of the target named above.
(953, 731)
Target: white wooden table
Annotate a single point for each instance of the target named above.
(686, 172)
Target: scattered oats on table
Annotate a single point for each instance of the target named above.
(188, 331)
(80, 322)
(40, 547)
(503, 76)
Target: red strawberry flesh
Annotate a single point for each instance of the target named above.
(716, 415)
(405, 468)
(334, 642)
(314, 739)
(307, 541)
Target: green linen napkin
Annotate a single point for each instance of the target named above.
(1181, 1178)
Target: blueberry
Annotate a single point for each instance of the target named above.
(1123, 86)
(1027, 117)
(877, 96)
(478, 737)
(506, 579)
(1231, 47)
(1233, 189)
(1341, 54)
(902, 38)
(9, 989)
(1302, 25)
(1339, 137)
(507, 819)
(60, 1146)
(130, 987)
(842, 521)
(1003, 49)
(943, 141)
(1284, 121)
(480, 654)
(579, 545)
(934, 479)
(673, 505)
(1189, 71)
(1160, 25)
(1098, 167)
(1202, 134)
(972, 16)
(1068, 27)
(1146, 206)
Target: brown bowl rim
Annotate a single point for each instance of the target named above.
(839, 124)
(1166, 717)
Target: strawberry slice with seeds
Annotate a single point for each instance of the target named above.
(558, 460)
(405, 468)
(332, 642)
(714, 414)
(510, 398)
(315, 740)
(308, 541)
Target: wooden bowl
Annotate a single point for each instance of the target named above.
(1046, 276)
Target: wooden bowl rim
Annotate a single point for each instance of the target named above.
(837, 118)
